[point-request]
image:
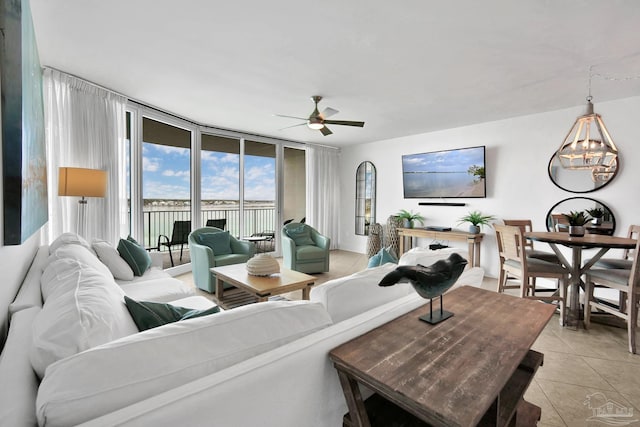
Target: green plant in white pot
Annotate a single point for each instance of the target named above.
(477, 220)
(408, 218)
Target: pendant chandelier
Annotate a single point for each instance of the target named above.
(588, 144)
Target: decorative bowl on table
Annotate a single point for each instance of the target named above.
(262, 265)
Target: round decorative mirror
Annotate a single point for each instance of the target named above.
(581, 180)
(365, 197)
(602, 222)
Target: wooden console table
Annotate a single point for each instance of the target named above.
(471, 369)
(472, 239)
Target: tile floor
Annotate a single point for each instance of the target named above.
(578, 364)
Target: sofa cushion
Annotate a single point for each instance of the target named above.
(68, 239)
(135, 255)
(351, 295)
(301, 235)
(148, 314)
(117, 374)
(374, 261)
(163, 288)
(110, 257)
(220, 242)
(90, 312)
(310, 253)
(19, 382)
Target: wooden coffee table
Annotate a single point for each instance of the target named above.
(471, 369)
(251, 289)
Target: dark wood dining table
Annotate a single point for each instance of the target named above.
(576, 267)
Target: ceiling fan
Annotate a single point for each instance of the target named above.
(318, 120)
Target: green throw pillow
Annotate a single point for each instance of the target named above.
(383, 256)
(220, 243)
(149, 315)
(374, 261)
(388, 255)
(301, 235)
(135, 255)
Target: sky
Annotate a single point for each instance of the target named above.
(166, 174)
(444, 161)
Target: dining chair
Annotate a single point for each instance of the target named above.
(626, 282)
(627, 256)
(560, 223)
(514, 262)
(525, 226)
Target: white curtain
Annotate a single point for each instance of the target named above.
(323, 191)
(85, 127)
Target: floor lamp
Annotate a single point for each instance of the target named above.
(81, 182)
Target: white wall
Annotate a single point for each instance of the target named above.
(518, 185)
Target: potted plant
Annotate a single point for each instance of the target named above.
(577, 220)
(596, 214)
(476, 219)
(409, 217)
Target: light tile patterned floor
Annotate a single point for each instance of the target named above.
(578, 363)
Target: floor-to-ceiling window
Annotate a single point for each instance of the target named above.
(180, 171)
(220, 182)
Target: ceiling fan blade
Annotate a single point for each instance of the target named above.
(344, 123)
(325, 131)
(293, 126)
(291, 117)
(328, 112)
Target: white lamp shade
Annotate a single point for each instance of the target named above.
(82, 182)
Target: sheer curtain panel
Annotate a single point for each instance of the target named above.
(323, 191)
(85, 127)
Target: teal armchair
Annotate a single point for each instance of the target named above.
(304, 249)
(213, 247)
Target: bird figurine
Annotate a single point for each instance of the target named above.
(429, 282)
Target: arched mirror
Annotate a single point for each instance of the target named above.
(581, 180)
(365, 197)
(603, 221)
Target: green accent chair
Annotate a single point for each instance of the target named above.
(304, 249)
(203, 257)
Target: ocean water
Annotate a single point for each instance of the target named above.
(437, 184)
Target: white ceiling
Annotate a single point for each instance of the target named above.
(403, 67)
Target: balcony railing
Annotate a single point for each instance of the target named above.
(160, 222)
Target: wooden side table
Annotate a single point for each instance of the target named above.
(471, 369)
(473, 240)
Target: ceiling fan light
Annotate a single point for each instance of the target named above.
(315, 123)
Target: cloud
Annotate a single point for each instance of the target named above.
(167, 149)
(181, 174)
(151, 164)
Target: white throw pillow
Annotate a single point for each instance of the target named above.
(351, 295)
(112, 259)
(117, 374)
(68, 239)
(85, 256)
(85, 310)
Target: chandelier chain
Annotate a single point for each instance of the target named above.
(608, 78)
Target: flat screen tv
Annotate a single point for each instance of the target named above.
(455, 173)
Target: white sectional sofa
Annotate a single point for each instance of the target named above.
(263, 364)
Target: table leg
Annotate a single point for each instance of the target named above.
(357, 411)
(400, 244)
(306, 290)
(219, 288)
(576, 272)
